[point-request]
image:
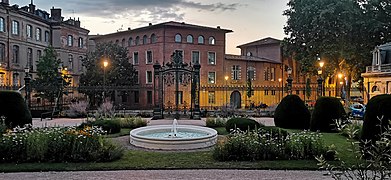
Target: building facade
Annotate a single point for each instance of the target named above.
(377, 77)
(25, 32)
(156, 43)
(224, 77)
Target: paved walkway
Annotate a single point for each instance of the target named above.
(77, 121)
(169, 174)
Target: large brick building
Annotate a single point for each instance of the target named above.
(260, 60)
(156, 43)
(24, 34)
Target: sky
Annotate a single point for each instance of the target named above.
(250, 20)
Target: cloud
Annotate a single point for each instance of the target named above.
(155, 10)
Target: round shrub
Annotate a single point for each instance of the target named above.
(376, 117)
(326, 111)
(292, 113)
(14, 109)
(243, 124)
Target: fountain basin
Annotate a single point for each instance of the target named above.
(187, 137)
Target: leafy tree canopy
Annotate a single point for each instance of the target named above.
(342, 32)
(49, 83)
(119, 71)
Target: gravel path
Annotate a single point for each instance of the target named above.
(169, 174)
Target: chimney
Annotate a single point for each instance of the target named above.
(218, 27)
(56, 14)
(77, 23)
(129, 28)
(150, 24)
(32, 7)
(5, 2)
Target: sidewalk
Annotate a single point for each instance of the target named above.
(61, 122)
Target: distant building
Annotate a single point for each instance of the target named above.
(377, 77)
(261, 60)
(24, 34)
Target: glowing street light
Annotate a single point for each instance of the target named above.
(105, 64)
(226, 92)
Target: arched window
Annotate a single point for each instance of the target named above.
(189, 39)
(117, 41)
(15, 54)
(130, 41)
(137, 41)
(2, 24)
(123, 42)
(70, 40)
(38, 34)
(178, 38)
(153, 38)
(81, 42)
(200, 39)
(70, 59)
(145, 39)
(2, 52)
(212, 40)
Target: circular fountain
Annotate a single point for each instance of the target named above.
(173, 137)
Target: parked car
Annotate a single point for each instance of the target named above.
(356, 110)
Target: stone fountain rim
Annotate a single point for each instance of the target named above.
(211, 132)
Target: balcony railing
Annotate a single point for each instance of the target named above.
(379, 68)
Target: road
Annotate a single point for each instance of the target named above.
(169, 174)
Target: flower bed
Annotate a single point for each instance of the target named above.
(57, 145)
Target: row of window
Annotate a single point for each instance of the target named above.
(190, 39)
(16, 56)
(153, 39)
(195, 57)
(80, 42)
(251, 73)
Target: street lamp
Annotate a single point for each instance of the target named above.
(280, 94)
(289, 80)
(320, 80)
(105, 64)
(27, 86)
(340, 75)
(226, 92)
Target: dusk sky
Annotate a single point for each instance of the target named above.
(249, 19)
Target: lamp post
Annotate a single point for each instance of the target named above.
(282, 90)
(289, 81)
(340, 75)
(226, 92)
(320, 80)
(105, 64)
(27, 86)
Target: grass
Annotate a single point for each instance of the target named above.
(160, 160)
(138, 159)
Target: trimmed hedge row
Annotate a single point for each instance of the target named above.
(243, 124)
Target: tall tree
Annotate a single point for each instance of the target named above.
(49, 83)
(342, 32)
(119, 72)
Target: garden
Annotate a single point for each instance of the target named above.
(300, 140)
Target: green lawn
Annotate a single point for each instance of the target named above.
(137, 159)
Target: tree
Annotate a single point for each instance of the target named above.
(249, 88)
(119, 72)
(49, 83)
(342, 32)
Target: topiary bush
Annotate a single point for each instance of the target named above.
(326, 111)
(243, 124)
(376, 117)
(14, 109)
(292, 113)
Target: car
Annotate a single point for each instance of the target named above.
(357, 110)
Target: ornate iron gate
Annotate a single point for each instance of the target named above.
(176, 73)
